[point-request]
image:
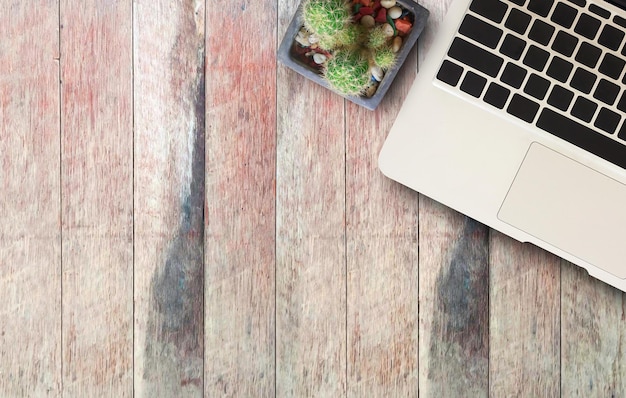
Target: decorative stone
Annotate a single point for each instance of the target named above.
(388, 30)
(368, 21)
(371, 90)
(395, 12)
(396, 44)
(313, 39)
(303, 38)
(377, 72)
(319, 58)
(387, 3)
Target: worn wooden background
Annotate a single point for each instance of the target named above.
(181, 216)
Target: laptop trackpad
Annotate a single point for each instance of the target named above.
(570, 206)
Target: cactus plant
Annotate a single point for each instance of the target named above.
(384, 57)
(377, 37)
(347, 72)
(326, 18)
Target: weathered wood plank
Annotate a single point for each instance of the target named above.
(593, 332)
(382, 257)
(240, 185)
(30, 245)
(97, 206)
(454, 303)
(310, 246)
(169, 105)
(524, 355)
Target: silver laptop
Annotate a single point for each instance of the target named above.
(517, 118)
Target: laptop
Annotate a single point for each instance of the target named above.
(517, 118)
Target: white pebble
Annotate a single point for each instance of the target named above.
(394, 12)
(319, 58)
(387, 3)
(397, 43)
(377, 72)
(313, 39)
(388, 30)
(368, 21)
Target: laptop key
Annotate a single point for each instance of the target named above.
(621, 105)
(583, 80)
(583, 109)
(513, 75)
(559, 69)
(541, 32)
(490, 9)
(496, 95)
(588, 54)
(560, 97)
(537, 86)
(564, 15)
(587, 26)
(475, 57)
(607, 120)
(564, 43)
(611, 37)
(582, 136)
(523, 108)
(606, 92)
(536, 58)
(540, 7)
(480, 31)
(512, 47)
(611, 66)
(450, 73)
(517, 21)
(473, 84)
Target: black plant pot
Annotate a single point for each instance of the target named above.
(289, 56)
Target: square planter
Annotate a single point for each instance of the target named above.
(291, 54)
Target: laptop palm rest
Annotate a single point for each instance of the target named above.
(569, 206)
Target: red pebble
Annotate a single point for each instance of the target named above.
(403, 26)
(376, 5)
(381, 16)
(366, 11)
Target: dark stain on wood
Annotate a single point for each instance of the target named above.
(176, 331)
(460, 357)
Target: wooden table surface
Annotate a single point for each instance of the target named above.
(182, 216)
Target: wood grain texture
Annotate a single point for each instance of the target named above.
(240, 198)
(310, 233)
(382, 256)
(30, 244)
(454, 303)
(169, 105)
(97, 206)
(524, 356)
(593, 332)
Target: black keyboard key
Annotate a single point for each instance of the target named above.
(473, 84)
(564, 15)
(606, 92)
(540, 7)
(559, 69)
(583, 137)
(620, 21)
(611, 37)
(583, 109)
(622, 132)
(583, 80)
(517, 21)
(496, 95)
(580, 3)
(490, 9)
(587, 26)
(607, 120)
(536, 58)
(612, 66)
(518, 2)
(450, 73)
(475, 57)
(564, 43)
(513, 75)
(621, 105)
(541, 32)
(560, 97)
(480, 31)
(523, 108)
(588, 54)
(537, 86)
(599, 11)
(512, 47)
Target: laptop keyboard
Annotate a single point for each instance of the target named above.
(558, 65)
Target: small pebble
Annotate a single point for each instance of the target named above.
(388, 30)
(387, 3)
(371, 90)
(396, 44)
(377, 72)
(303, 38)
(319, 58)
(395, 12)
(313, 39)
(368, 21)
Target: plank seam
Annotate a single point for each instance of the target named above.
(132, 93)
(60, 188)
